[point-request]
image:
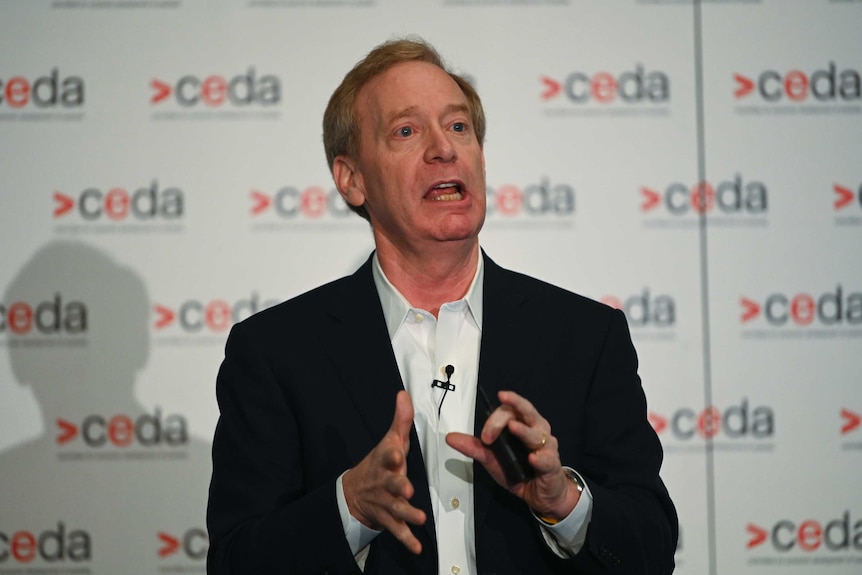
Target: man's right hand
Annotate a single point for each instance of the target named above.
(378, 491)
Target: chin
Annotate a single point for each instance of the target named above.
(457, 226)
(454, 234)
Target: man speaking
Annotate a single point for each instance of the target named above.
(432, 413)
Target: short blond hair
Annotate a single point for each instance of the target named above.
(340, 122)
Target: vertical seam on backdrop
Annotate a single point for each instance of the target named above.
(704, 282)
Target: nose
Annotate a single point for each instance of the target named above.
(440, 147)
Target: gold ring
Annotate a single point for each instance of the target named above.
(543, 442)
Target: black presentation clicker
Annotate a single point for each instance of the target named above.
(510, 451)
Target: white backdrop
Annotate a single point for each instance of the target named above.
(162, 175)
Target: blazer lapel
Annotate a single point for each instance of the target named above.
(504, 361)
(362, 353)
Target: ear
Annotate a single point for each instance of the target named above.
(348, 180)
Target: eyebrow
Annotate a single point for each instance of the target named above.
(410, 110)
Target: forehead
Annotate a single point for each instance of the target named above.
(418, 85)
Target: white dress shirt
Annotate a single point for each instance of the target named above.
(424, 346)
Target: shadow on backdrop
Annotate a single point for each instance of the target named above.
(112, 484)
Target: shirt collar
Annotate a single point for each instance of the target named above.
(395, 306)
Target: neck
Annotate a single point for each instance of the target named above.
(428, 279)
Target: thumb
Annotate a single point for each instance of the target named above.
(403, 419)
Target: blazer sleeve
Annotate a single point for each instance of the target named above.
(261, 516)
(634, 527)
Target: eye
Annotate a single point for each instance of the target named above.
(405, 131)
(459, 127)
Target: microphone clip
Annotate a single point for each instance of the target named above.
(445, 385)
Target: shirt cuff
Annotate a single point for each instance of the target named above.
(566, 538)
(358, 535)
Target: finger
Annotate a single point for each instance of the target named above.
(467, 444)
(496, 423)
(546, 460)
(392, 457)
(526, 411)
(475, 449)
(398, 485)
(403, 511)
(402, 532)
(403, 419)
(544, 463)
(394, 515)
(535, 438)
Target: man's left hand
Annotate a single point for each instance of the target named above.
(549, 493)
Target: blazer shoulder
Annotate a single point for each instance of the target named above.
(553, 297)
(305, 312)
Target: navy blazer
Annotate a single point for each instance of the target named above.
(307, 388)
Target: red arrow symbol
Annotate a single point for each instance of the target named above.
(845, 196)
(162, 91)
(651, 199)
(261, 202)
(64, 204)
(552, 88)
(68, 431)
(758, 535)
(166, 316)
(745, 86)
(171, 544)
(658, 422)
(752, 309)
(853, 421)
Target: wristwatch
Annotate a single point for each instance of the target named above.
(579, 485)
(575, 478)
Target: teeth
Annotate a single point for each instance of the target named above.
(451, 186)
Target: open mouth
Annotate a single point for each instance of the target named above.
(445, 192)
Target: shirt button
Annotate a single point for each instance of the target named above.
(419, 318)
(456, 569)
(455, 503)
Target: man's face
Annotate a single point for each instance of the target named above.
(420, 171)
